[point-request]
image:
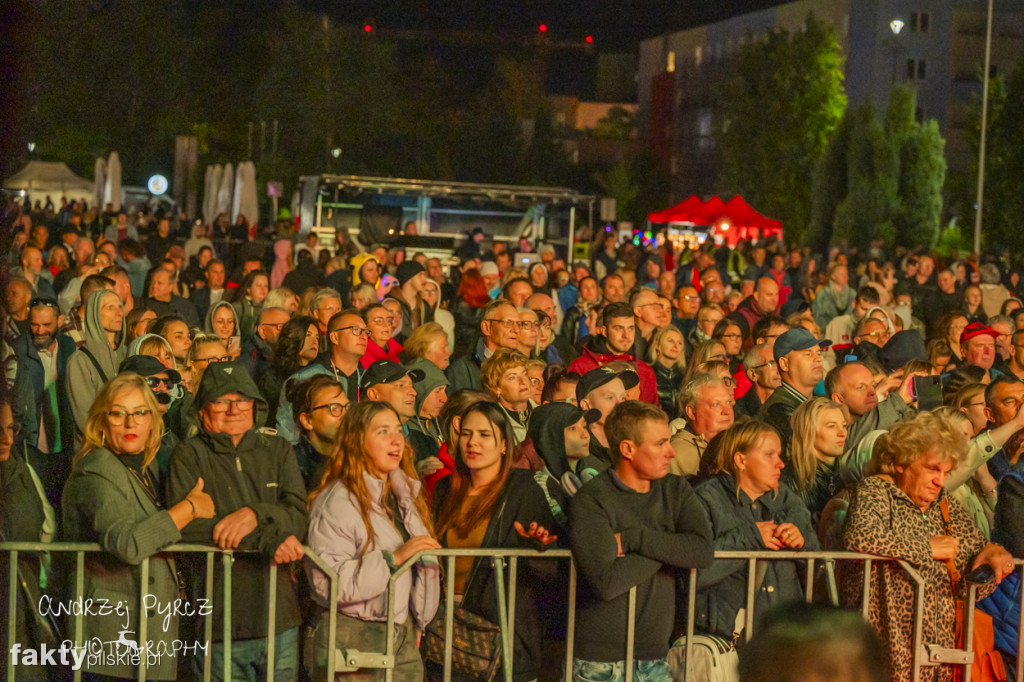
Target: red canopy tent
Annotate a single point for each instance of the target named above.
(731, 221)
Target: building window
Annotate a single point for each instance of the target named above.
(670, 63)
(917, 70)
(705, 140)
(919, 22)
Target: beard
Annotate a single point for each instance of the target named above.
(43, 341)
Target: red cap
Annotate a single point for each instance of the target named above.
(976, 329)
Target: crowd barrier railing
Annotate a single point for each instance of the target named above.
(227, 557)
(507, 604)
(340, 658)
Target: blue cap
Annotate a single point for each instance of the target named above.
(797, 339)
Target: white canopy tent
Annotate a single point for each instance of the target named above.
(40, 179)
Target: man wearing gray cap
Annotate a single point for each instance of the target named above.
(798, 355)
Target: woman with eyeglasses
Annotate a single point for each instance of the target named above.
(112, 497)
(706, 351)
(669, 364)
(205, 348)
(297, 346)
(730, 334)
(367, 518)
(381, 345)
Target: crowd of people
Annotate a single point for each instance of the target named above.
(643, 408)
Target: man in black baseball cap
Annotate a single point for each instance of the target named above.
(559, 434)
(164, 384)
(798, 355)
(390, 382)
(602, 389)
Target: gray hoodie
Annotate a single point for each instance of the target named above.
(208, 324)
(433, 377)
(84, 379)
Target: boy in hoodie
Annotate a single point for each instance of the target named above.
(96, 362)
(424, 433)
(259, 495)
(561, 438)
(602, 389)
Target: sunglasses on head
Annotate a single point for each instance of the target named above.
(42, 300)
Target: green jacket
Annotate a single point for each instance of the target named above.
(104, 503)
(778, 410)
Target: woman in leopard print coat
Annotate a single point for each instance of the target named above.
(897, 512)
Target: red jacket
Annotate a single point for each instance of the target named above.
(374, 353)
(592, 360)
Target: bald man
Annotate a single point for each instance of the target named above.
(763, 301)
(33, 272)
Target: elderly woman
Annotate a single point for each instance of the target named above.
(429, 341)
(112, 497)
(750, 509)
(902, 511)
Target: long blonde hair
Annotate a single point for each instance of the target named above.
(802, 455)
(659, 338)
(97, 430)
(348, 465)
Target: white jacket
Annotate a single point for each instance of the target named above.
(337, 533)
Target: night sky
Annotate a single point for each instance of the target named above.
(615, 25)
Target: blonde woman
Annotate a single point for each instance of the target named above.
(669, 364)
(750, 509)
(819, 439)
(113, 497)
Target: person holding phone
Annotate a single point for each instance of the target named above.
(853, 385)
(222, 321)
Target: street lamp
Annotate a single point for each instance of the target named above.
(984, 125)
(31, 147)
(896, 25)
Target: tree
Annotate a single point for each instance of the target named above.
(780, 109)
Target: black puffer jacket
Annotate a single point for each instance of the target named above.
(261, 473)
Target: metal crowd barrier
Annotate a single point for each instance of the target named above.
(227, 558)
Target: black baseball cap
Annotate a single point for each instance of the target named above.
(903, 347)
(388, 372)
(148, 366)
(600, 376)
(797, 339)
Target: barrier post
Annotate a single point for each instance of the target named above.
(208, 621)
(809, 589)
(140, 640)
(227, 559)
(506, 643)
(748, 626)
(79, 589)
(272, 620)
(12, 609)
(630, 632)
(571, 621)
(691, 612)
(865, 606)
(1020, 631)
(512, 564)
(449, 619)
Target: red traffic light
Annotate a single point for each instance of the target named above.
(590, 39)
(367, 27)
(542, 28)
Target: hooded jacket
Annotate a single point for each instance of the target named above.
(208, 322)
(260, 473)
(84, 377)
(443, 317)
(557, 479)
(596, 353)
(357, 263)
(282, 262)
(424, 435)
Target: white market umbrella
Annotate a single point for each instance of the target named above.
(100, 182)
(112, 188)
(225, 190)
(218, 173)
(207, 196)
(245, 201)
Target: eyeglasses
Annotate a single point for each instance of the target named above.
(689, 298)
(732, 336)
(429, 292)
(770, 363)
(526, 324)
(380, 320)
(336, 409)
(534, 381)
(118, 417)
(214, 358)
(277, 326)
(657, 303)
(156, 382)
(224, 405)
(356, 331)
(509, 324)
